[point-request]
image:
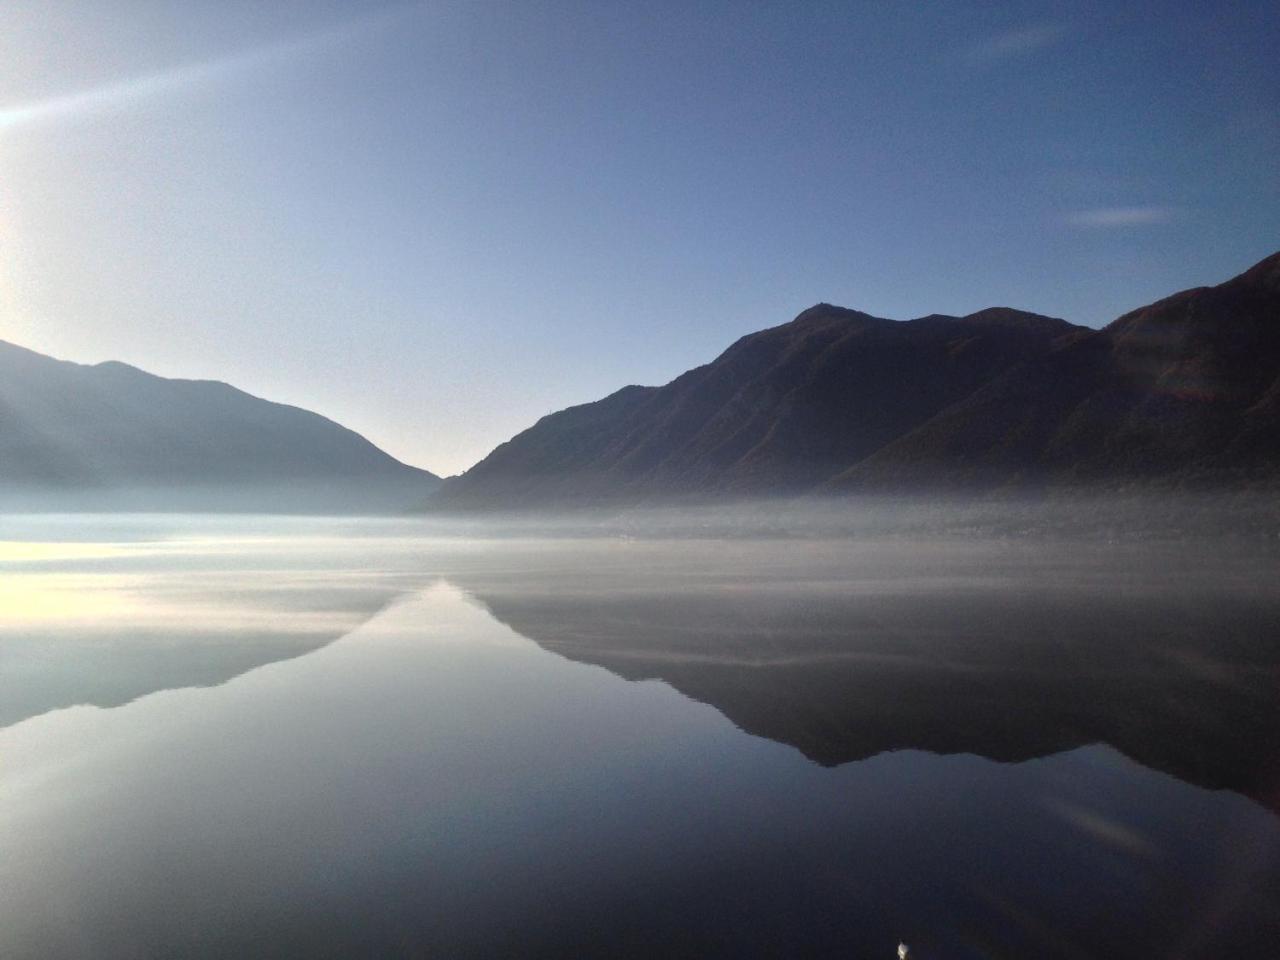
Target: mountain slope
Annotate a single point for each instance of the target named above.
(779, 411)
(1184, 391)
(110, 436)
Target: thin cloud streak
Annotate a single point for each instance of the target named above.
(161, 83)
(1014, 43)
(1105, 217)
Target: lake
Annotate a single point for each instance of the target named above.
(237, 736)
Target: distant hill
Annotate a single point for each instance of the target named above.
(109, 436)
(1183, 392)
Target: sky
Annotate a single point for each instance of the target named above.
(436, 222)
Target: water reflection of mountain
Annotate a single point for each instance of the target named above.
(43, 672)
(1180, 678)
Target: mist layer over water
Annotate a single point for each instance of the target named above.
(242, 736)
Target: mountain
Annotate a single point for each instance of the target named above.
(779, 411)
(110, 436)
(1184, 391)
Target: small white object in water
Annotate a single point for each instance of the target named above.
(904, 952)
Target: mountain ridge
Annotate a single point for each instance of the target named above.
(113, 436)
(1182, 391)
(839, 400)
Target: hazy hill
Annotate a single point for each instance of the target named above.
(110, 436)
(780, 411)
(1185, 391)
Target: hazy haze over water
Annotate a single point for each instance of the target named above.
(335, 737)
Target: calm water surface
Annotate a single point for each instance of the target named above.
(231, 738)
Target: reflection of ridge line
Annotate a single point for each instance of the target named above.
(799, 660)
(838, 707)
(552, 648)
(396, 599)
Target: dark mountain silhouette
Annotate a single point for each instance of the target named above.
(1183, 391)
(779, 411)
(110, 436)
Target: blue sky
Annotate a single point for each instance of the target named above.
(437, 222)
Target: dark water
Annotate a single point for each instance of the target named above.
(336, 740)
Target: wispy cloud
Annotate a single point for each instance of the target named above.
(1014, 43)
(1103, 217)
(189, 75)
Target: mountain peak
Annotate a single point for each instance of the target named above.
(1265, 273)
(829, 311)
(1013, 317)
(1006, 317)
(120, 367)
(819, 308)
